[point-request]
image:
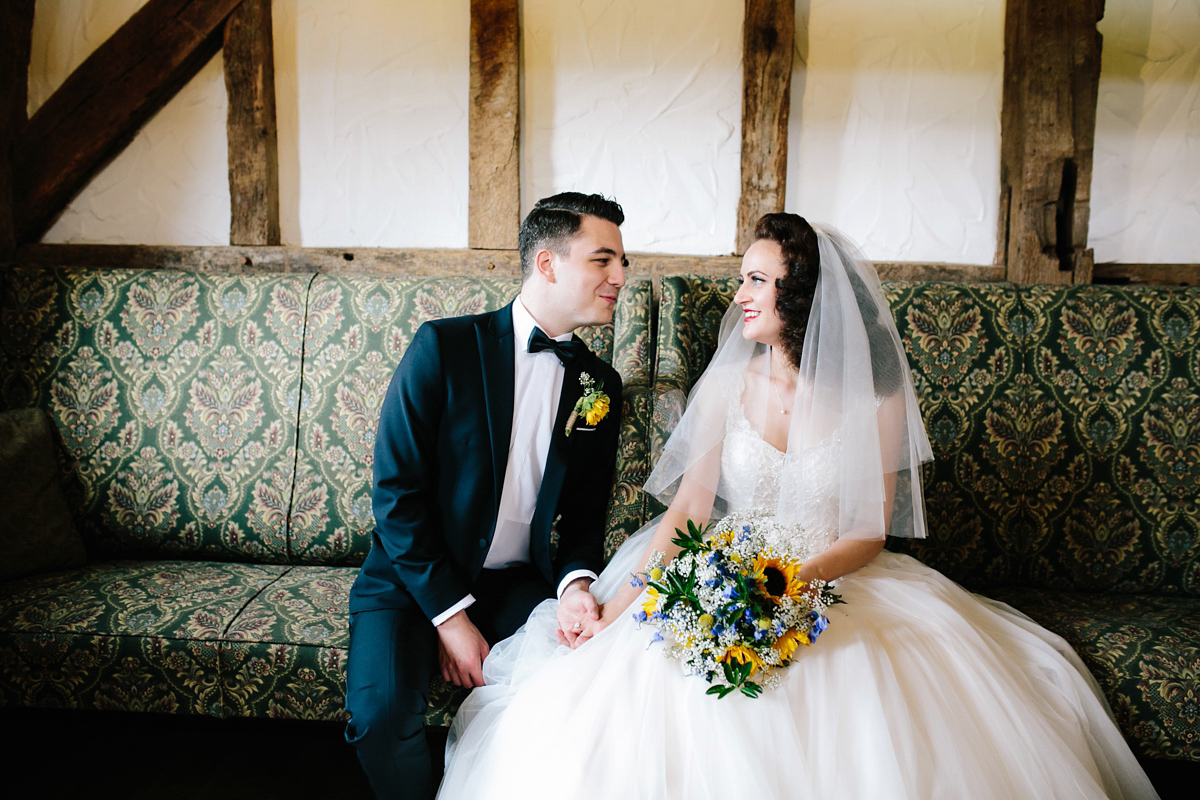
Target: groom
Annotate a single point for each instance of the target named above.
(478, 457)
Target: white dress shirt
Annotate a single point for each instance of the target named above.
(537, 385)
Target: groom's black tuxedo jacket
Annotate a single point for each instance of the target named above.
(440, 456)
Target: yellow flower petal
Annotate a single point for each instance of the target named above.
(598, 411)
(742, 655)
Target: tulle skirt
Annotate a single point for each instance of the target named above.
(918, 689)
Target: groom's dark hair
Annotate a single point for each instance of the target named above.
(553, 222)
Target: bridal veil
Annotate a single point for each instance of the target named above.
(854, 386)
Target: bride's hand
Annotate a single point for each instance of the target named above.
(608, 615)
(576, 609)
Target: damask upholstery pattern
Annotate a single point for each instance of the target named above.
(175, 395)
(123, 635)
(1117, 374)
(966, 355)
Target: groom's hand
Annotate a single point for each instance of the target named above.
(577, 609)
(461, 651)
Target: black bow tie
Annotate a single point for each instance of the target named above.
(566, 351)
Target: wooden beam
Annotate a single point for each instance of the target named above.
(103, 103)
(386, 261)
(768, 34)
(251, 128)
(1148, 274)
(494, 199)
(16, 35)
(1047, 128)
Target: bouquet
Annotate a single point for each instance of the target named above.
(731, 605)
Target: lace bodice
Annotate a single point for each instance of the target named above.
(755, 476)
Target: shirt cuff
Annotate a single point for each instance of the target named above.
(573, 575)
(452, 610)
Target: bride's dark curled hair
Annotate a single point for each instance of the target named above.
(795, 290)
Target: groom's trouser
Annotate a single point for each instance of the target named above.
(393, 654)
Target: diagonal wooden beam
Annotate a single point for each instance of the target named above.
(768, 34)
(494, 204)
(251, 127)
(103, 103)
(16, 34)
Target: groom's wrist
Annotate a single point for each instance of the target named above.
(579, 579)
(574, 576)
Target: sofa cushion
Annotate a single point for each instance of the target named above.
(123, 635)
(964, 345)
(358, 329)
(1112, 418)
(1145, 652)
(175, 394)
(285, 654)
(37, 532)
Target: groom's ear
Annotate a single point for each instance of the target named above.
(544, 263)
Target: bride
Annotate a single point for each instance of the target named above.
(918, 689)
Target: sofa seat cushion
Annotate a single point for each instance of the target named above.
(1145, 652)
(123, 635)
(285, 654)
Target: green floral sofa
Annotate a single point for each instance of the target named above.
(216, 435)
(1065, 422)
(216, 430)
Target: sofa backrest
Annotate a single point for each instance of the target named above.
(1065, 424)
(232, 417)
(174, 394)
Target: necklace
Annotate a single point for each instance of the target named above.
(771, 380)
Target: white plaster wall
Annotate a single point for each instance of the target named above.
(895, 127)
(371, 100)
(1146, 172)
(170, 185)
(641, 102)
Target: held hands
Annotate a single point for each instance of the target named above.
(577, 613)
(461, 651)
(590, 627)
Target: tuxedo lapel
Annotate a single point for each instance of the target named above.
(496, 355)
(556, 467)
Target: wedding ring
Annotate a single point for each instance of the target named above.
(578, 625)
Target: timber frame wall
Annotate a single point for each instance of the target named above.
(1048, 120)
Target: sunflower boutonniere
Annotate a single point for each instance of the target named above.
(592, 406)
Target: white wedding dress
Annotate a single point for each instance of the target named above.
(918, 689)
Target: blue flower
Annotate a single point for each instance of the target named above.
(819, 624)
(658, 637)
(718, 629)
(640, 616)
(637, 582)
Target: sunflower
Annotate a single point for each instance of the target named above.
(788, 642)
(598, 411)
(776, 579)
(740, 654)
